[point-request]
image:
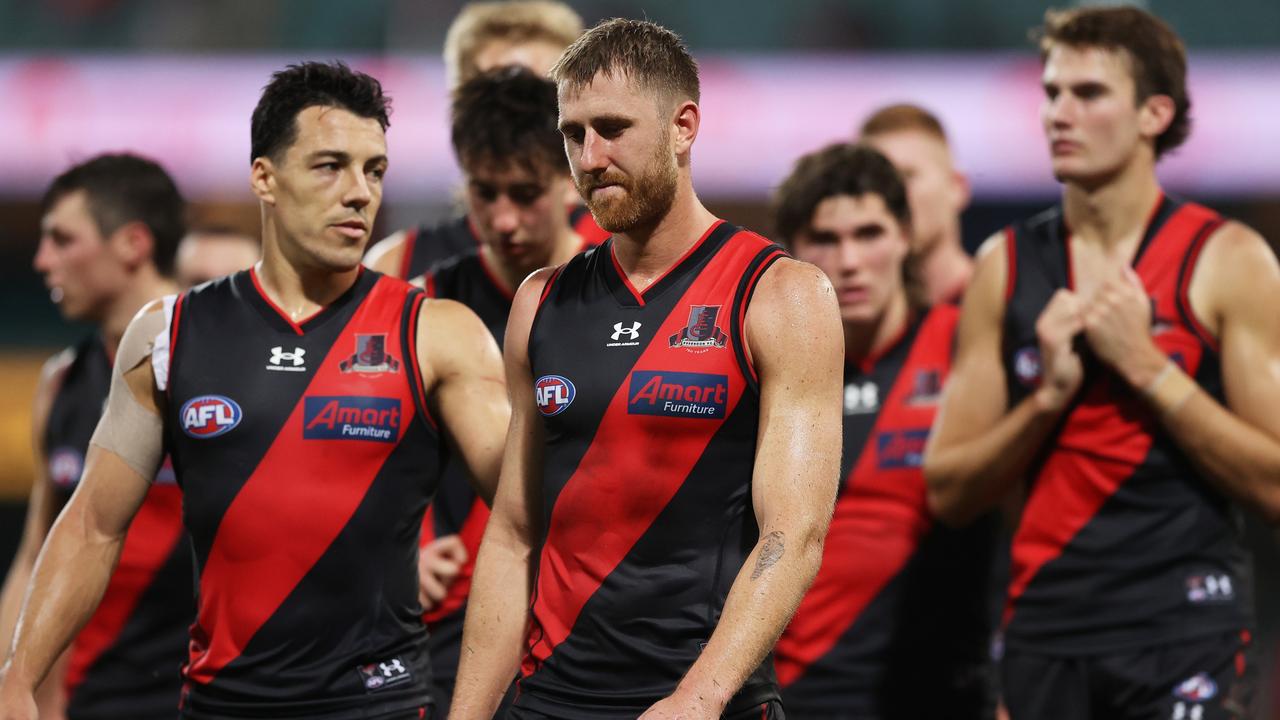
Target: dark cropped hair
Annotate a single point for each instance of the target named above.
(645, 52)
(505, 116)
(1157, 57)
(298, 87)
(124, 188)
(840, 169)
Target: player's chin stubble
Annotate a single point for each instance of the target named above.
(645, 200)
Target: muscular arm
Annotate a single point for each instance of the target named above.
(497, 610)
(463, 374)
(977, 450)
(40, 507)
(387, 255)
(73, 568)
(1234, 290)
(794, 334)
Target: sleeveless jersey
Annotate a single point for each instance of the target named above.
(1122, 543)
(427, 245)
(306, 457)
(651, 413)
(897, 615)
(457, 509)
(127, 661)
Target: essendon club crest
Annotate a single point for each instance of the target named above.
(702, 331)
(371, 356)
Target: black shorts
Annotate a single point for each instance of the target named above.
(771, 710)
(1208, 678)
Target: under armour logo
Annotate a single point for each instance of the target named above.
(632, 332)
(393, 668)
(861, 398)
(279, 358)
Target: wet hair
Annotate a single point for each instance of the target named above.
(641, 51)
(123, 188)
(515, 21)
(1157, 57)
(839, 169)
(274, 127)
(508, 115)
(902, 117)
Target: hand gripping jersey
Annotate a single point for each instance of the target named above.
(1123, 544)
(306, 457)
(426, 245)
(127, 661)
(896, 619)
(651, 413)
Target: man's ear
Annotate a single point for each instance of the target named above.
(134, 244)
(685, 120)
(262, 179)
(1156, 115)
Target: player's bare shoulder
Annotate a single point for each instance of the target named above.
(1237, 270)
(790, 292)
(793, 314)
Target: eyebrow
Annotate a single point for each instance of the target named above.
(342, 156)
(597, 119)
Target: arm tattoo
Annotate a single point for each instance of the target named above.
(770, 554)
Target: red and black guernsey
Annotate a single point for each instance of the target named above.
(896, 620)
(651, 412)
(427, 245)
(306, 457)
(1123, 543)
(127, 661)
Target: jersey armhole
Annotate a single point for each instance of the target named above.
(537, 313)
(1011, 263)
(409, 340)
(406, 258)
(741, 299)
(166, 342)
(1185, 273)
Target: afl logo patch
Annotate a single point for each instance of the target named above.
(65, 466)
(1197, 689)
(209, 416)
(554, 394)
(1026, 366)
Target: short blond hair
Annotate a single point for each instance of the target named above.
(900, 118)
(480, 23)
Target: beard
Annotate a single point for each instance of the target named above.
(646, 198)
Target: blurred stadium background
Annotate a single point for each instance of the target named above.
(177, 81)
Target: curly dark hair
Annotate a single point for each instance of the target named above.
(508, 115)
(123, 188)
(839, 169)
(298, 87)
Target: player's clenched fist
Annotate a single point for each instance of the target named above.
(1061, 369)
(439, 564)
(1117, 324)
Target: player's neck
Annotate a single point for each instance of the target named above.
(146, 285)
(945, 269)
(297, 290)
(1115, 211)
(872, 339)
(646, 253)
